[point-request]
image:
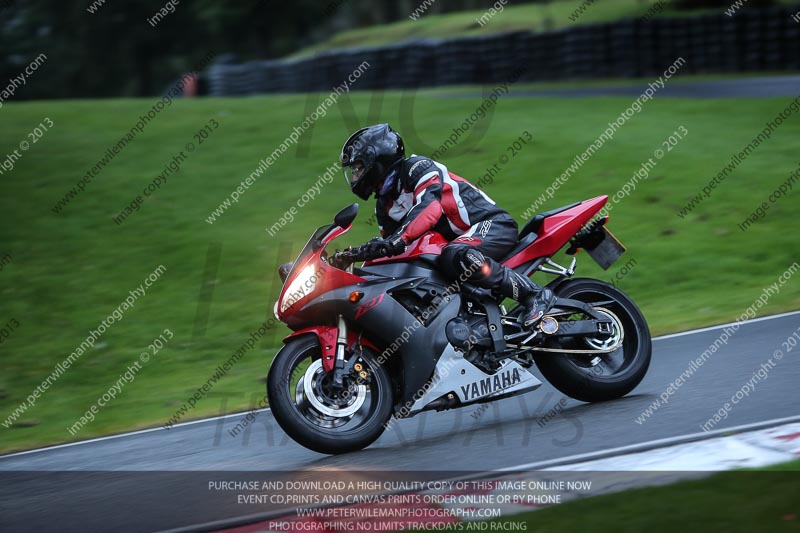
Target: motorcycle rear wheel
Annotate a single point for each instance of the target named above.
(601, 377)
(316, 415)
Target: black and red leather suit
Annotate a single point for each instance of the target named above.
(420, 195)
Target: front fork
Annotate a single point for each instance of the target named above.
(341, 342)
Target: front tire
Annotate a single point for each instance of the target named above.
(602, 377)
(314, 414)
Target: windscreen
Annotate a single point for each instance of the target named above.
(309, 247)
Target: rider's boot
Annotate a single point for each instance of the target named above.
(536, 300)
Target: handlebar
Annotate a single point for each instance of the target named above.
(348, 256)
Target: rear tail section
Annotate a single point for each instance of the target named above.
(555, 230)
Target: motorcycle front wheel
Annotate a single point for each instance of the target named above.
(319, 416)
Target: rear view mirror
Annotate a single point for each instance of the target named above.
(346, 216)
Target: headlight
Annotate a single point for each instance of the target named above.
(299, 288)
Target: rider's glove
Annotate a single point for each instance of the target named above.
(372, 248)
(396, 246)
(379, 247)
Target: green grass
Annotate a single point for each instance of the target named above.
(791, 466)
(529, 17)
(739, 501)
(69, 271)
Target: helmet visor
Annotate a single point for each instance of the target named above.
(354, 173)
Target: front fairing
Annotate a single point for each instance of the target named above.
(310, 277)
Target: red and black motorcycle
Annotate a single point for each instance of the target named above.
(395, 337)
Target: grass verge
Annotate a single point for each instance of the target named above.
(529, 17)
(540, 17)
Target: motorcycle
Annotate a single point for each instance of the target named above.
(395, 337)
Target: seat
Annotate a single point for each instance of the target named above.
(521, 245)
(533, 225)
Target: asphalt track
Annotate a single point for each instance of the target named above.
(755, 87)
(505, 435)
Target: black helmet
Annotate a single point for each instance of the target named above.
(368, 156)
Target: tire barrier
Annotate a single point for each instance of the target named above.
(750, 41)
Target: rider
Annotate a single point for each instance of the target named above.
(416, 194)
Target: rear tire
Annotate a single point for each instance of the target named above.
(303, 421)
(616, 374)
